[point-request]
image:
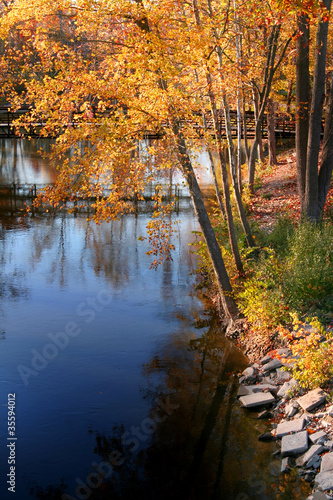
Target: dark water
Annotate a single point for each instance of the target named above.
(119, 372)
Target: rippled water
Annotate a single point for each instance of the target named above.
(118, 371)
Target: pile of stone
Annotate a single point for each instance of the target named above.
(305, 430)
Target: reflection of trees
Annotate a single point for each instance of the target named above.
(21, 162)
(198, 431)
(11, 282)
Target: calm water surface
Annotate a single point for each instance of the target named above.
(117, 370)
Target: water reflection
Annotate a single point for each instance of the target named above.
(21, 162)
(147, 382)
(195, 443)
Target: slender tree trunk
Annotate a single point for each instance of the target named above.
(239, 203)
(326, 167)
(246, 142)
(226, 190)
(228, 302)
(253, 156)
(302, 103)
(213, 172)
(239, 113)
(256, 104)
(290, 95)
(271, 110)
(225, 181)
(239, 145)
(269, 72)
(311, 207)
(223, 282)
(216, 185)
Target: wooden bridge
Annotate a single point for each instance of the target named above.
(16, 197)
(285, 125)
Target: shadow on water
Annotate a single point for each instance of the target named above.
(196, 443)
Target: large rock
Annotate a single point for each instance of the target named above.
(257, 399)
(294, 444)
(285, 465)
(317, 495)
(272, 365)
(317, 435)
(292, 426)
(284, 351)
(324, 480)
(287, 386)
(249, 373)
(245, 390)
(282, 375)
(266, 359)
(312, 399)
(309, 455)
(327, 462)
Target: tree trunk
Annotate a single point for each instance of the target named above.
(290, 95)
(226, 191)
(326, 167)
(271, 110)
(246, 142)
(239, 203)
(311, 206)
(263, 95)
(216, 185)
(213, 172)
(256, 104)
(239, 113)
(223, 282)
(239, 145)
(228, 302)
(302, 103)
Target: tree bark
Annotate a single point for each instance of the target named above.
(311, 206)
(228, 302)
(326, 167)
(226, 190)
(225, 181)
(213, 172)
(239, 113)
(246, 142)
(239, 203)
(302, 103)
(271, 110)
(269, 72)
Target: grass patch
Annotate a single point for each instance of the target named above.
(293, 276)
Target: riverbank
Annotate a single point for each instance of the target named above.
(285, 383)
(300, 421)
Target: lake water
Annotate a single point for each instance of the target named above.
(123, 382)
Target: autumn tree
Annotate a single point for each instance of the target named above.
(125, 72)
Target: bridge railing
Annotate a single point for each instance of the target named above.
(285, 125)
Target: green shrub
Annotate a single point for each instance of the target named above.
(292, 277)
(308, 275)
(261, 300)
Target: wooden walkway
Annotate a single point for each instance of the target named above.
(17, 196)
(285, 125)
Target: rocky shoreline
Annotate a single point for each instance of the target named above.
(301, 421)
